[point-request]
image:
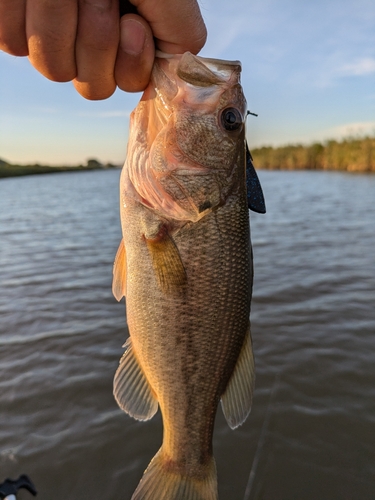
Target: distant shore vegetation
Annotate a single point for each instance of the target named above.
(348, 155)
(11, 170)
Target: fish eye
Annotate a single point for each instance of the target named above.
(231, 119)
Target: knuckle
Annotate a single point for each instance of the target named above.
(99, 5)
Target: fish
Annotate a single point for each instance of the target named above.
(185, 268)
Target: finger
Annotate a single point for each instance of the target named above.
(12, 27)
(96, 48)
(135, 55)
(177, 26)
(51, 30)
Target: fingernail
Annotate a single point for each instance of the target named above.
(133, 37)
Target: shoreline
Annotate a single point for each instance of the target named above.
(13, 170)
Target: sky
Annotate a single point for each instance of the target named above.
(308, 71)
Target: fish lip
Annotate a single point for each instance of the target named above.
(224, 62)
(159, 54)
(223, 67)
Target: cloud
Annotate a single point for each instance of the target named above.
(360, 67)
(298, 135)
(335, 67)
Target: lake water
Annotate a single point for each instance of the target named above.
(311, 433)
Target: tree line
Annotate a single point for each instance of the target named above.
(12, 170)
(351, 154)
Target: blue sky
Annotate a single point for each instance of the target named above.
(308, 71)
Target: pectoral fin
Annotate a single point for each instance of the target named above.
(119, 273)
(166, 261)
(131, 389)
(236, 400)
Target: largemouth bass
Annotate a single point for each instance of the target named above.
(185, 267)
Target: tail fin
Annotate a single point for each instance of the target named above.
(160, 483)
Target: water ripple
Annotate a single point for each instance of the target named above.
(313, 327)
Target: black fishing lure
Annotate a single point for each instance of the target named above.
(255, 198)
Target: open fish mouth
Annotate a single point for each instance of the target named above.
(201, 71)
(205, 78)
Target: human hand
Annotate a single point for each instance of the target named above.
(86, 40)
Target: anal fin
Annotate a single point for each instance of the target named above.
(131, 389)
(237, 397)
(119, 273)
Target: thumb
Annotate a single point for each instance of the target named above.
(177, 26)
(135, 55)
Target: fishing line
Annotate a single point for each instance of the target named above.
(262, 439)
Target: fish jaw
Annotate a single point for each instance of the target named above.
(178, 135)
